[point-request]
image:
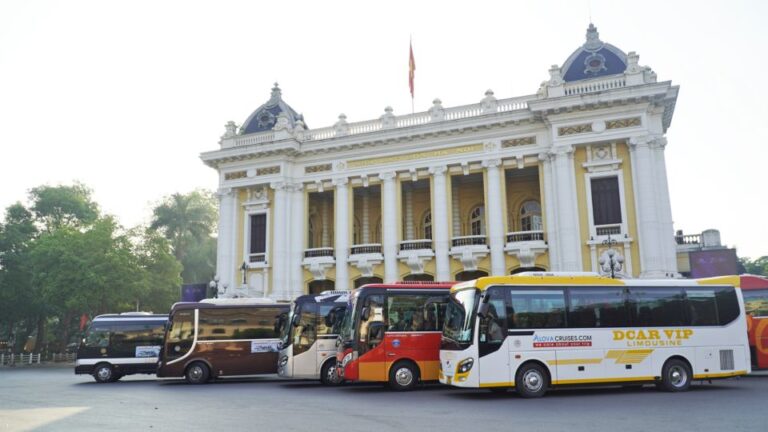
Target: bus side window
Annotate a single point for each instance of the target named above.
(492, 325)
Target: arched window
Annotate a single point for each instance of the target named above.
(477, 221)
(367, 280)
(318, 286)
(426, 224)
(468, 275)
(530, 216)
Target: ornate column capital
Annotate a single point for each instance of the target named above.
(224, 193)
(439, 170)
(387, 176)
(279, 185)
(340, 182)
(491, 163)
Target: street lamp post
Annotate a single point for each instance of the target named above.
(214, 285)
(244, 269)
(614, 262)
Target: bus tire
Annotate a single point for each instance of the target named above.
(403, 376)
(103, 373)
(197, 373)
(676, 376)
(329, 374)
(532, 380)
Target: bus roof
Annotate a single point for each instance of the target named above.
(131, 316)
(749, 281)
(227, 303)
(408, 285)
(588, 279)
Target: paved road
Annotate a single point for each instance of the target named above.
(53, 399)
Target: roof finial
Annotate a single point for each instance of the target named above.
(276, 93)
(593, 38)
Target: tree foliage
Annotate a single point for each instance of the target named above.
(61, 258)
(188, 221)
(756, 267)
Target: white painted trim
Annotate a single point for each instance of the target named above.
(247, 239)
(116, 361)
(194, 341)
(622, 199)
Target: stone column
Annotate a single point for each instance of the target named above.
(668, 245)
(279, 253)
(550, 204)
(341, 228)
(495, 217)
(440, 223)
(389, 225)
(296, 233)
(225, 249)
(568, 216)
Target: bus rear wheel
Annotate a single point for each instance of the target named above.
(532, 381)
(675, 376)
(103, 373)
(404, 375)
(197, 373)
(329, 374)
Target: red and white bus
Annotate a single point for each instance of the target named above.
(755, 292)
(391, 333)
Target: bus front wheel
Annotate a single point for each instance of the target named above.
(675, 376)
(532, 381)
(403, 375)
(103, 373)
(329, 374)
(197, 373)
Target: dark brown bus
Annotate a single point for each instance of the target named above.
(221, 338)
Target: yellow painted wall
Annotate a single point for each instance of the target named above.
(580, 157)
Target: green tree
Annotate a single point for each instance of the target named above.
(756, 267)
(187, 221)
(59, 206)
(18, 301)
(161, 271)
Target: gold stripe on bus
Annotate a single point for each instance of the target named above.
(721, 280)
(628, 356)
(497, 384)
(574, 361)
(488, 281)
(720, 375)
(602, 380)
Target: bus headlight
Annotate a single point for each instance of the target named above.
(283, 361)
(348, 358)
(465, 366)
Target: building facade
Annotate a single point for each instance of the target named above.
(571, 178)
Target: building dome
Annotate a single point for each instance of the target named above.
(594, 59)
(265, 116)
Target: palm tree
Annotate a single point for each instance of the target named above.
(183, 218)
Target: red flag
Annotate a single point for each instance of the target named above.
(83, 321)
(411, 70)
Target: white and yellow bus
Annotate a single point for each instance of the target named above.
(534, 331)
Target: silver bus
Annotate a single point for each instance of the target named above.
(308, 337)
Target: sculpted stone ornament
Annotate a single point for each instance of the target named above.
(489, 103)
(231, 129)
(341, 127)
(282, 122)
(555, 76)
(388, 120)
(436, 111)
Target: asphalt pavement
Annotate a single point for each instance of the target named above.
(54, 399)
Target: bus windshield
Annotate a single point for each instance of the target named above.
(180, 334)
(347, 331)
(284, 322)
(459, 318)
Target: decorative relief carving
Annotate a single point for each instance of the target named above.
(235, 175)
(432, 154)
(317, 168)
(518, 142)
(601, 152)
(268, 170)
(623, 123)
(575, 129)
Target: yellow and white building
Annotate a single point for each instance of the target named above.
(571, 178)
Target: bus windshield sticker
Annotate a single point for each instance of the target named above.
(148, 351)
(268, 346)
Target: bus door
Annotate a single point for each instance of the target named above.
(371, 335)
(326, 332)
(304, 336)
(492, 335)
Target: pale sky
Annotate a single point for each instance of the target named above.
(124, 95)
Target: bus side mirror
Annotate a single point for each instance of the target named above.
(365, 313)
(375, 333)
